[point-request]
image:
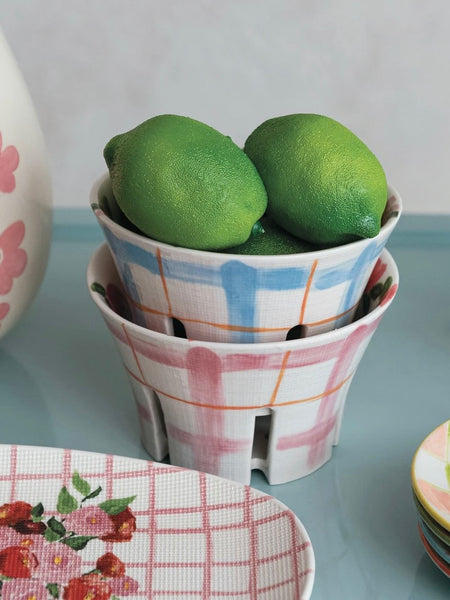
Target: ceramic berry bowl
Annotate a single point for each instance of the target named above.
(234, 298)
(79, 525)
(229, 408)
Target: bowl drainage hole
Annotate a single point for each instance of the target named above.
(296, 332)
(178, 328)
(261, 440)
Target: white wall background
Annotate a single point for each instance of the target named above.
(99, 67)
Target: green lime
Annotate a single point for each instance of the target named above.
(182, 182)
(324, 184)
(267, 238)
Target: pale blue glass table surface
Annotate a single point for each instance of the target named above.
(62, 384)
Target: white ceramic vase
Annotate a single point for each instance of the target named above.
(25, 195)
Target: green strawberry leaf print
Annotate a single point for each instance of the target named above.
(81, 485)
(66, 503)
(51, 536)
(114, 507)
(37, 512)
(56, 526)
(78, 542)
(93, 494)
(53, 589)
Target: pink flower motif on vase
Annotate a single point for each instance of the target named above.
(9, 161)
(13, 259)
(4, 310)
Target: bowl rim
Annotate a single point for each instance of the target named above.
(124, 233)
(242, 347)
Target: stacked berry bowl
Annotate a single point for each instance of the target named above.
(238, 360)
(430, 475)
(237, 394)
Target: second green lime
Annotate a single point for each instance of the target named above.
(324, 184)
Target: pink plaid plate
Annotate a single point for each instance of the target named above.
(77, 525)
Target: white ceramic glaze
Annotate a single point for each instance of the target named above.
(235, 298)
(228, 408)
(25, 195)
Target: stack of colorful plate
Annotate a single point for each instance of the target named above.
(430, 474)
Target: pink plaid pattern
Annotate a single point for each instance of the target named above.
(197, 536)
(212, 399)
(206, 404)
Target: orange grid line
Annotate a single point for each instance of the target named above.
(308, 287)
(280, 377)
(228, 327)
(249, 407)
(335, 318)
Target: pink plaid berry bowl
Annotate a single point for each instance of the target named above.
(77, 524)
(226, 408)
